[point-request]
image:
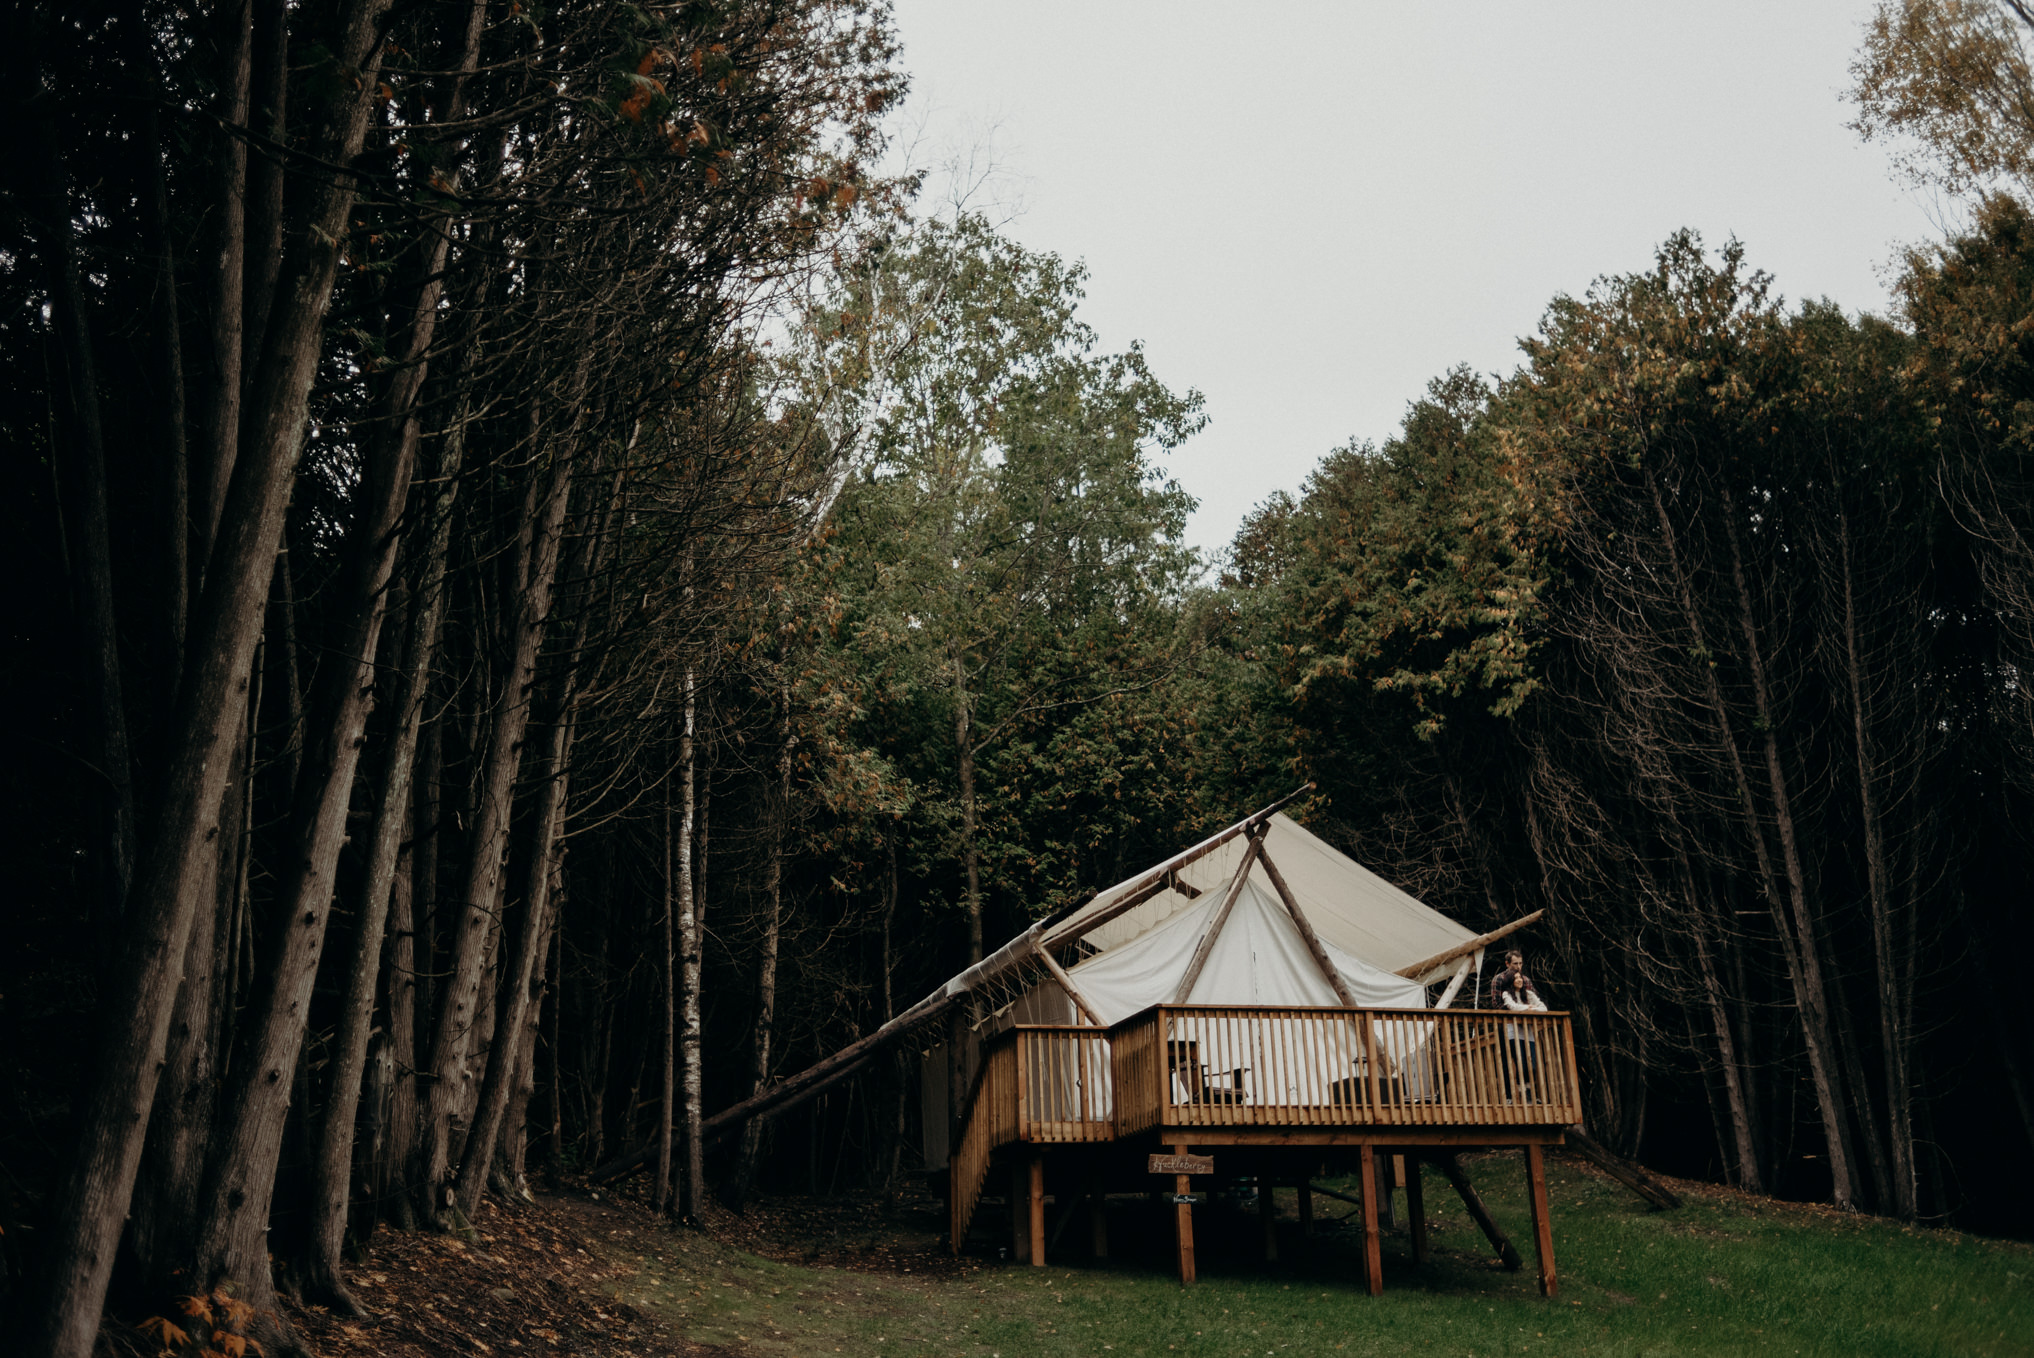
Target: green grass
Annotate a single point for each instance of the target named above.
(1722, 1275)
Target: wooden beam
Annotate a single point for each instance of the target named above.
(1416, 1205)
(1373, 1257)
(1543, 1227)
(1073, 992)
(1267, 1217)
(1183, 886)
(1419, 969)
(1034, 1215)
(1183, 1221)
(1206, 948)
(1499, 1241)
(1306, 930)
(1151, 881)
(1655, 1194)
(1465, 1136)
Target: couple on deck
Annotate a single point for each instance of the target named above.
(1512, 989)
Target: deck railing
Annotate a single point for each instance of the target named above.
(1192, 1066)
(1252, 1066)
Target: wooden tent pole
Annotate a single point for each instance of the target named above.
(1073, 992)
(1150, 882)
(1418, 970)
(1306, 930)
(1206, 947)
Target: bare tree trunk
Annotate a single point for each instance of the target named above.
(964, 754)
(212, 469)
(332, 1168)
(1811, 993)
(1744, 1139)
(691, 947)
(449, 1077)
(233, 1229)
(399, 1145)
(139, 999)
(1892, 1002)
(510, 1029)
(766, 959)
(667, 1112)
(88, 532)
(1808, 993)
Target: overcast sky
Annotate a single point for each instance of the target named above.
(1308, 210)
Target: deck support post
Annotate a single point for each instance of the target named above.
(1034, 1215)
(1306, 1208)
(1183, 1221)
(1098, 1217)
(1416, 1206)
(1387, 1185)
(1373, 1258)
(1267, 1215)
(1020, 1192)
(1500, 1242)
(1543, 1227)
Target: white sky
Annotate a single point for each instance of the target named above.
(1308, 210)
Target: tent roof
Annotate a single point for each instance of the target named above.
(1354, 911)
(1258, 959)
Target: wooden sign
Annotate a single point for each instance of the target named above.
(1182, 1164)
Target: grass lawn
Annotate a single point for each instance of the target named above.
(1725, 1274)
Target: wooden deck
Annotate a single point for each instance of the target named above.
(1210, 1076)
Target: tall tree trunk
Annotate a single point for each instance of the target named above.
(449, 1079)
(521, 975)
(1809, 997)
(668, 1108)
(182, 852)
(1887, 954)
(212, 467)
(964, 755)
(1744, 1138)
(1812, 992)
(89, 536)
(233, 1225)
(332, 1167)
(691, 944)
(766, 958)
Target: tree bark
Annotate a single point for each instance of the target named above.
(1812, 993)
(1894, 999)
(87, 1214)
(667, 1112)
(449, 1077)
(766, 959)
(964, 755)
(510, 1028)
(691, 941)
(82, 475)
(212, 468)
(332, 1169)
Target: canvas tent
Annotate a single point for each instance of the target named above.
(1137, 943)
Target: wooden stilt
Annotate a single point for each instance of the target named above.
(1267, 1216)
(1543, 1226)
(1183, 1222)
(1020, 1225)
(1098, 1218)
(1034, 1217)
(1500, 1242)
(1306, 1208)
(1387, 1184)
(1373, 1259)
(1416, 1206)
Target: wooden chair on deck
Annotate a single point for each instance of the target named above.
(1183, 1059)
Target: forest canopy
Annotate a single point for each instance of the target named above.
(552, 592)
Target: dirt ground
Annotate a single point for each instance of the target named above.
(557, 1277)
